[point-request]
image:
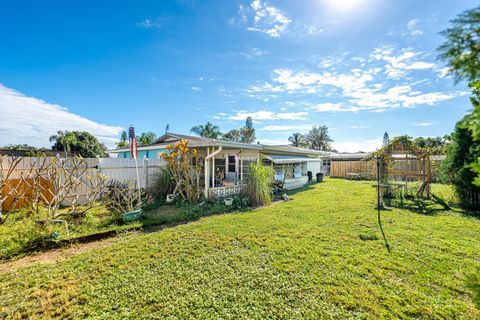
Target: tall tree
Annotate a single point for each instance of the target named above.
(318, 138)
(79, 142)
(386, 139)
(248, 131)
(233, 135)
(457, 168)
(461, 49)
(297, 140)
(123, 140)
(146, 138)
(245, 134)
(209, 130)
(63, 141)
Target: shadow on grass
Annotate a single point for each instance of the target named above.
(431, 206)
(306, 187)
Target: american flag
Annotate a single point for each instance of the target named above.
(133, 142)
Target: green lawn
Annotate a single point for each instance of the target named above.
(300, 259)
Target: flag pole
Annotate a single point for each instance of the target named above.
(134, 154)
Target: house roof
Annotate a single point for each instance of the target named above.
(296, 150)
(348, 156)
(283, 159)
(198, 142)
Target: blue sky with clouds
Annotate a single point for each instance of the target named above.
(361, 67)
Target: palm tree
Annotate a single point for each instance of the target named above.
(209, 130)
(64, 138)
(297, 140)
(147, 138)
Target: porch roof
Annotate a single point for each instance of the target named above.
(277, 159)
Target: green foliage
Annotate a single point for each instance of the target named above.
(434, 145)
(20, 235)
(318, 138)
(191, 212)
(457, 168)
(259, 184)
(123, 140)
(63, 141)
(298, 259)
(209, 130)
(81, 143)
(461, 49)
(146, 138)
(30, 151)
(246, 134)
(297, 140)
(162, 185)
(386, 139)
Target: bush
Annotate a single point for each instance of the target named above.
(457, 167)
(259, 184)
(163, 184)
(122, 197)
(211, 207)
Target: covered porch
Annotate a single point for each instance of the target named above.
(225, 170)
(293, 170)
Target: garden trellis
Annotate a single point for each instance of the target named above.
(402, 150)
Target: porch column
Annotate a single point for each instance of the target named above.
(241, 169)
(213, 172)
(205, 168)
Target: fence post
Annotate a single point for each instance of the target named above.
(145, 171)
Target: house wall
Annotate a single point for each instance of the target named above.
(149, 154)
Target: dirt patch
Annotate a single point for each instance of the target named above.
(55, 254)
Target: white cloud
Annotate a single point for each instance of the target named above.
(414, 28)
(443, 72)
(356, 146)
(398, 65)
(254, 52)
(196, 89)
(149, 23)
(261, 17)
(423, 124)
(32, 121)
(374, 87)
(264, 115)
(286, 127)
(328, 106)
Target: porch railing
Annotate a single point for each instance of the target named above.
(220, 192)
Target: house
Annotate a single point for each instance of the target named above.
(226, 161)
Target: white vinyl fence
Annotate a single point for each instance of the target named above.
(124, 169)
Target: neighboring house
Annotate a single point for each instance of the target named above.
(226, 161)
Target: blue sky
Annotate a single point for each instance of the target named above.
(361, 67)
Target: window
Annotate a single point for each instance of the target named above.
(304, 169)
(231, 164)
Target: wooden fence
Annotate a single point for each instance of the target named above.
(112, 168)
(368, 169)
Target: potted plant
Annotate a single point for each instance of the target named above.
(228, 201)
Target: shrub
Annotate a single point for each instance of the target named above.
(214, 206)
(457, 167)
(163, 184)
(259, 184)
(123, 197)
